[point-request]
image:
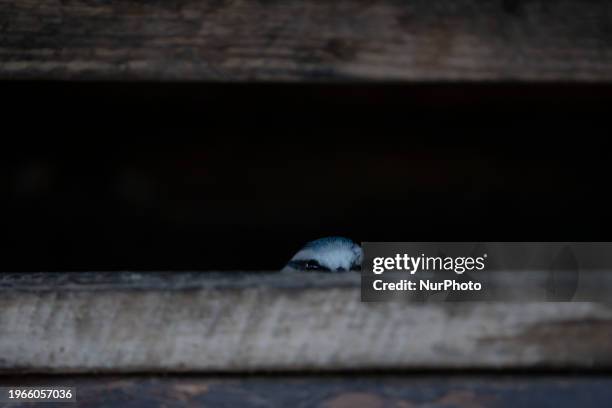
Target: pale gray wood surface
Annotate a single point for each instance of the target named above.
(307, 40)
(208, 322)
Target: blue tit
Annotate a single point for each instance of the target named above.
(331, 254)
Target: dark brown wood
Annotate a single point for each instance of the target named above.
(307, 40)
(368, 391)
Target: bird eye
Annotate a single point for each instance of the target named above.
(309, 265)
(312, 265)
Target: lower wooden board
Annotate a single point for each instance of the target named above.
(348, 391)
(253, 322)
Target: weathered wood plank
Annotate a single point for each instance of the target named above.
(366, 391)
(179, 322)
(307, 40)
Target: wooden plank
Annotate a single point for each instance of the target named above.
(225, 322)
(333, 391)
(307, 40)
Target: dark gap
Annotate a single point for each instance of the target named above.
(175, 176)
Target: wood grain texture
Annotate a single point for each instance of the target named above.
(358, 390)
(207, 322)
(308, 40)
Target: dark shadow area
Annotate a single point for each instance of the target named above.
(151, 176)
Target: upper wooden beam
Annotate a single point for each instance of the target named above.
(307, 40)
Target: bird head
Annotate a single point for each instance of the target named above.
(332, 254)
